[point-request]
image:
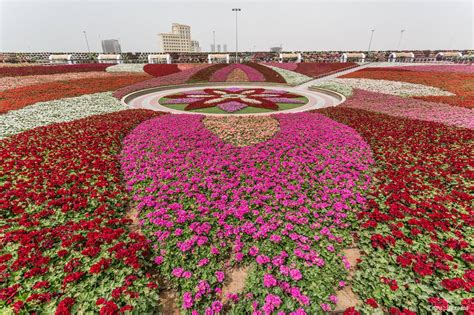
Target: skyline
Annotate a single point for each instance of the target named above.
(295, 25)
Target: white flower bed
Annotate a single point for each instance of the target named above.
(57, 111)
(291, 77)
(127, 67)
(332, 85)
(392, 87)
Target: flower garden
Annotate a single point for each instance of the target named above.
(233, 100)
(361, 208)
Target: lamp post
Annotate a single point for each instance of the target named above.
(400, 40)
(370, 42)
(87, 42)
(236, 10)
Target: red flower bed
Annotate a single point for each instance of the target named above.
(269, 74)
(37, 70)
(461, 84)
(315, 69)
(64, 236)
(416, 233)
(20, 97)
(160, 70)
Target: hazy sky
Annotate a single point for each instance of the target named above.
(39, 25)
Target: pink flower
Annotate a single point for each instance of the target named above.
(239, 256)
(203, 262)
(325, 307)
(220, 276)
(177, 272)
(262, 259)
(295, 274)
(216, 306)
(158, 260)
(187, 300)
(333, 298)
(275, 238)
(269, 281)
(284, 270)
(253, 251)
(272, 302)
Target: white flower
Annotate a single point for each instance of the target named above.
(392, 87)
(332, 85)
(291, 77)
(127, 67)
(57, 111)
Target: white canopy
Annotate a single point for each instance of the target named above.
(157, 58)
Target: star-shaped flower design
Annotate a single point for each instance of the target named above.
(233, 99)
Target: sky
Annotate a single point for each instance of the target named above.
(55, 26)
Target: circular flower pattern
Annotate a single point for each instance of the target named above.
(232, 100)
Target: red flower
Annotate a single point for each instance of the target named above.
(100, 301)
(64, 307)
(453, 284)
(351, 311)
(39, 297)
(152, 285)
(62, 253)
(91, 251)
(439, 303)
(17, 306)
(41, 284)
(72, 277)
(396, 311)
(372, 302)
(422, 269)
(126, 308)
(5, 258)
(469, 305)
(109, 308)
(102, 265)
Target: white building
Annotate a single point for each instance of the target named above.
(179, 40)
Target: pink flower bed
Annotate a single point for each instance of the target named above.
(172, 79)
(283, 206)
(439, 68)
(411, 108)
(252, 74)
(7, 83)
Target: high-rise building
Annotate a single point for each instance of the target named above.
(179, 40)
(213, 48)
(195, 46)
(225, 48)
(111, 46)
(218, 47)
